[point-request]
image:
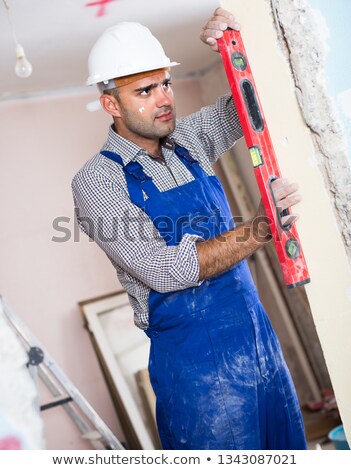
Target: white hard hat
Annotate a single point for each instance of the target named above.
(125, 49)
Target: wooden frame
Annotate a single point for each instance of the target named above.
(123, 352)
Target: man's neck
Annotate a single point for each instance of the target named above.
(151, 146)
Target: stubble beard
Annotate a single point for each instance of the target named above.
(151, 129)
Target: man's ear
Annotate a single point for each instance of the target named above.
(110, 105)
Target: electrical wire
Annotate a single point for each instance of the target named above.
(7, 7)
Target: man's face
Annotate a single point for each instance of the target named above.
(146, 108)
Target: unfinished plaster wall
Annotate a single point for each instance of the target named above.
(311, 150)
(303, 34)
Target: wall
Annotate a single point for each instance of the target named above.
(43, 142)
(322, 175)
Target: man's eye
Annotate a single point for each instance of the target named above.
(145, 92)
(167, 85)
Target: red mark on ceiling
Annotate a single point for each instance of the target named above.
(101, 4)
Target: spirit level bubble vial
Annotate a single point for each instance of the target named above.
(262, 153)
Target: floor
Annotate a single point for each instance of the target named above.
(318, 425)
(320, 444)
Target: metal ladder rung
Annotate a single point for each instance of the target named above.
(53, 404)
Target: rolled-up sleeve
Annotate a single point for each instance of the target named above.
(129, 238)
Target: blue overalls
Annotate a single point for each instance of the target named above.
(215, 363)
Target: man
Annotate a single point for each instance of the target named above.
(151, 201)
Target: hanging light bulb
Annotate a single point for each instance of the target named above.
(23, 68)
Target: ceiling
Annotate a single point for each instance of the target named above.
(57, 36)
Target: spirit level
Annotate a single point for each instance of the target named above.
(262, 153)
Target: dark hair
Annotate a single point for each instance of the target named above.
(112, 92)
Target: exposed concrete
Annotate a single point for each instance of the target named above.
(303, 34)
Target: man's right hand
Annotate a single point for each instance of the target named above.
(219, 254)
(213, 29)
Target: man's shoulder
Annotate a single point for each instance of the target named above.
(96, 166)
(87, 169)
(201, 121)
(97, 174)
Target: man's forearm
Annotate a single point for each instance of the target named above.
(221, 253)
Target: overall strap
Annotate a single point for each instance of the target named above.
(137, 180)
(192, 165)
(112, 156)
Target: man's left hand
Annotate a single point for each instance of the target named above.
(219, 22)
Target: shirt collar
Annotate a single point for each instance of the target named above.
(126, 149)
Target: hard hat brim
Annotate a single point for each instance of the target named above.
(94, 80)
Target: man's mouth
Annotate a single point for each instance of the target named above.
(165, 116)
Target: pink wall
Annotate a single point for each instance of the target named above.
(43, 142)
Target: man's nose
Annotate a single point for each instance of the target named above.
(163, 97)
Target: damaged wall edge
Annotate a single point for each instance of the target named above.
(306, 52)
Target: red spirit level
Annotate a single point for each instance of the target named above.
(264, 160)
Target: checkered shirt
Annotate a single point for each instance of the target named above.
(106, 214)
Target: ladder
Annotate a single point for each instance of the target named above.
(64, 393)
